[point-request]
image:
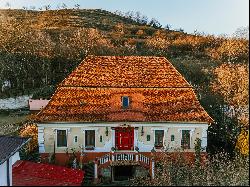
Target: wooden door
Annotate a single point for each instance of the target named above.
(124, 138)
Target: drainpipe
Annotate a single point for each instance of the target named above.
(8, 172)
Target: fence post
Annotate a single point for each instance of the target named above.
(81, 157)
(152, 168)
(136, 157)
(96, 171)
(112, 156)
(81, 160)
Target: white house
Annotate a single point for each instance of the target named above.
(120, 108)
(9, 154)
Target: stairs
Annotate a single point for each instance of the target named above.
(89, 174)
(126, 158)
(93, 169)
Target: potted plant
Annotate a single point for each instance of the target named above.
(137, 149)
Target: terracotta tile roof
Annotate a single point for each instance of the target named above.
(125, 71)
(157, 92)
(26, 173)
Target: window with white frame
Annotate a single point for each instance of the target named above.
(61, 138)
(159, 134)
(89, 138)
(125, 102)
(75, 139)
(185, 139)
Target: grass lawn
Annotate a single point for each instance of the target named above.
(9, 122)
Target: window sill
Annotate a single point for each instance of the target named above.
(128, 108)
(89, 148)
(158, 147)
(185, 148)
(61, 147)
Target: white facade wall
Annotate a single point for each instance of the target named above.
(3, 174)
(15, 158)
(47, 135)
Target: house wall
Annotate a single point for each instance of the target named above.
(3, 176)
(15, 158)
(47, 136)
(37, 104)
(3, 169)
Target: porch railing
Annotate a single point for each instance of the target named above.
(123, 157)
(127, 156)
(144, 159)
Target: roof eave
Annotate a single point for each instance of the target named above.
(111, 122)
(16, 150)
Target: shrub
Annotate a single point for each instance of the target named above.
(242, 144)
(219, 170)
(31, 131)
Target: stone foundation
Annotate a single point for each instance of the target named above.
(140, 171)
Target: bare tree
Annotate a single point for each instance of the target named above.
(155, 23)
(77, 6)
(47, 7)
(242, 32)
(32, 7)
(64, 6)
(8, 5)
(167, 27)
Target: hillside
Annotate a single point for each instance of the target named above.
(39, 48)
(60, 19)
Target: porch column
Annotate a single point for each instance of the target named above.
(135, 137)
(152, 168)
(165, 138)
(81, 156)
(83, 134)
(113, 136)
(41, 139)
(95, 171)
(204, 139)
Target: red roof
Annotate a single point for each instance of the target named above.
(26, 173)
(125, 72)
(92, 93)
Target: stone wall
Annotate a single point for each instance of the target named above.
(140, 171)
(15, 103)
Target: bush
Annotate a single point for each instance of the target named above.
(219, 170)
(30, 131)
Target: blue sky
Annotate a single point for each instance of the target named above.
(209, 16)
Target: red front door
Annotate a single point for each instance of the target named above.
(124, 138)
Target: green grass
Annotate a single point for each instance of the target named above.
(10, 122)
